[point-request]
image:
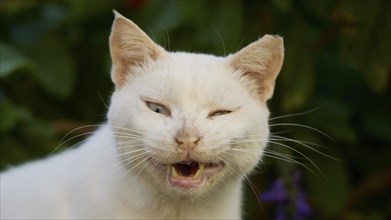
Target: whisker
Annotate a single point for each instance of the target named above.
(306, 157)
(128, 129)
(129, 152)
(244, 150)
(151, 32)
(168, 37)
(222, 41)
(62, 143)
(253, 187)
(130, 134)
(241, 42)
(306, 145)
(246, 141)
(129, 138)
(296, 114)
(152, 166)
(131, 158)
(103, 101)
(79, 128)
(135, 166)
(128, 144)
(142, 168)
(303, 126)
(283, 138)
(284, 157)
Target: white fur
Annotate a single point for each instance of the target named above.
(108, 178)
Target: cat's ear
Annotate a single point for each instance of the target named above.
(261, 61)
(129, 47)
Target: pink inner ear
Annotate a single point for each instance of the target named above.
(261, 62)
(129, 47)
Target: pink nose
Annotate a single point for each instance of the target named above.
(186, 140)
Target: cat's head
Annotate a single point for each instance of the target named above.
(189, 123)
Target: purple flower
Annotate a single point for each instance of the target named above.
(277, 194)
(303, 210)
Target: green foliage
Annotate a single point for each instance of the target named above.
(55, 64)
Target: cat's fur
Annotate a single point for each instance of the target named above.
(167, 108)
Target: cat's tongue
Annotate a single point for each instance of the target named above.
(186, 174)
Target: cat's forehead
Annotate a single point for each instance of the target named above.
(191, 78)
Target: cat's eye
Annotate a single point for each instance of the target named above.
(218, 113)
(158, 108)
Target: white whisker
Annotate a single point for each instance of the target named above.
(135, 166)
(128, 129)
(306, 145)
(221, 38)
(295, 114)
(70, 139)
(306, 157)
(303, 126)
(285, 157)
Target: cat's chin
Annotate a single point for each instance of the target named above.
(190, 174)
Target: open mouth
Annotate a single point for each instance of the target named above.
(190, 173)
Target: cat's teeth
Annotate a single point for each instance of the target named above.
(200, 170)
(168, 168)
(171, 169)
(174, 173)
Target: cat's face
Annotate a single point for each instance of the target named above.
(188, 123)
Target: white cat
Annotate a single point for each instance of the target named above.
(183, 131)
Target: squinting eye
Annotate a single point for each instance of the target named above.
(218, 113)
(158, 108)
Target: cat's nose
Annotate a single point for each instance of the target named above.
(186, 140)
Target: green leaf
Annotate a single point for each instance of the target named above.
(8, 115)
(168, 17)
(190, 10)
(283, 5)
(321, 10)
(11, 115)
(228, 18)
(328, 194)
(12, 152)
(13, 8)
(367, 43)
(55, 66)
(297, 76)
(11, 60)
(377, 76)
(378, 126)
(341, 129)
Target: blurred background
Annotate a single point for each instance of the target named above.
(331, 156)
